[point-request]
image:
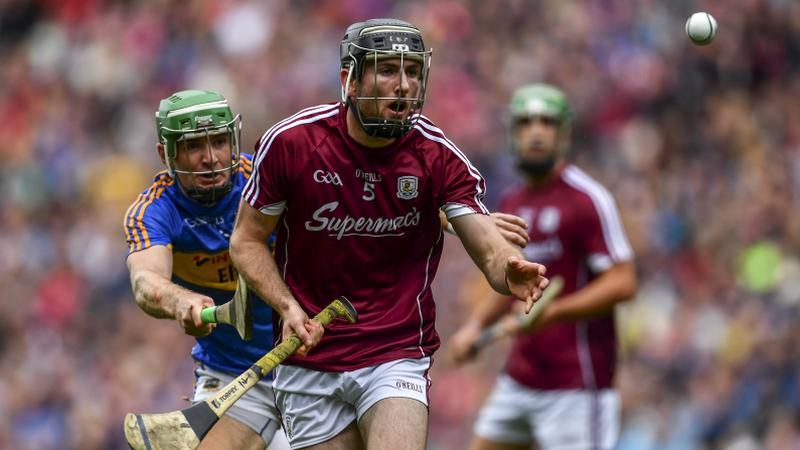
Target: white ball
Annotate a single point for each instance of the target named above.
(701, 28)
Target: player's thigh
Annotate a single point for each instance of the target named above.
(229, 433)
(395, 424)
(314, 409)
(392, 406)
(577, 419)
(347, 439)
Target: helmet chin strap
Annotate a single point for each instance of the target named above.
(376, 126)
(208, 196)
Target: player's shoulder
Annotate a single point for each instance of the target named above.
(309, 123)
(153, 197)
(431, 139)
(586, 187)
(425, 130)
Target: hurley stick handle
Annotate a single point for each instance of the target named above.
(341, 307)
(209, 315)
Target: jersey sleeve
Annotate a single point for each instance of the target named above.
(267, 188)
(463, 187)
(602, 234)
(148, 222)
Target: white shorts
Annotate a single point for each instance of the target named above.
(256, 408)
(556, 420)
(316, 406)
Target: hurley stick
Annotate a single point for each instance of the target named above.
(183, 429)
(237, 312)
(521, 322)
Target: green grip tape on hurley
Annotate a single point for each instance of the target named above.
(209, 315)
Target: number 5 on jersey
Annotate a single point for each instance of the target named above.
(369, 191)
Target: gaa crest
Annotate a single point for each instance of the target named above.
(407, 187)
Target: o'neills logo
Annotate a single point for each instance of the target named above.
(408, 386)
(361, 226)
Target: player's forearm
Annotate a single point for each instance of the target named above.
(494, 265)
(256, 264)
(155, 295)
(487, 247)
(599, 297)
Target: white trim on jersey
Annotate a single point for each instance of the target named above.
(251, 190)
(453, 210)
(275, 209)
(610, 222)
(425, 123)
(286, 248)
(582, 345)
(599, 262)
(424, 286)
(585, 354)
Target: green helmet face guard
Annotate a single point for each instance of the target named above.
(190, 115)
(369, 42)
(538, 101)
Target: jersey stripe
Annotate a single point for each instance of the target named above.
(613, 232)
(419, 295)
(145, 199)
(583, 348)
(134, 208)
(130, 232)
(422, 125)
(164, 182)
(245, 166)
(251, 190)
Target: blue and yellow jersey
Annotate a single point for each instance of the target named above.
(199, 238)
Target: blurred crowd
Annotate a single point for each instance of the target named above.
(700, 146)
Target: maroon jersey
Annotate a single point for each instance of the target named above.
(576, 232)
(363, 223)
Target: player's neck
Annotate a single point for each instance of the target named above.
(357, 133)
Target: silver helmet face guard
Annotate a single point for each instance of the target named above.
(379, 126)
(209, 195)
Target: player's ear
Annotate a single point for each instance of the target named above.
(351, 89)
(161, 153)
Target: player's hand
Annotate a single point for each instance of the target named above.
(296, 321)
(525, 280)
(461, 344)
(512, 227)
(187, 313)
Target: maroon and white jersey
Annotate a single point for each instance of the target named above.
(576, 232)
(363, 223)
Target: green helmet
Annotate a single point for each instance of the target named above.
(193, 114)
(540, 100)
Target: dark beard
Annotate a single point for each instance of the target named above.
(536, 168)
